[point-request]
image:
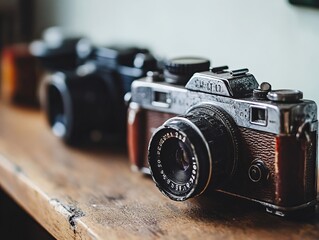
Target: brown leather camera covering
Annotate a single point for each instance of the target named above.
(140, 129)
(19, 75)
(136, 136)
(291, 163)
(296, 178)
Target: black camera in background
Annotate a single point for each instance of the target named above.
(309, 3)
(16, 224)
(87, 103)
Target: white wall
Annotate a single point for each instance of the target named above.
(278, 42)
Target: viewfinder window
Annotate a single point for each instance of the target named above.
(161, 99)
(258, 115)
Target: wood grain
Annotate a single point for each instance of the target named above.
(91, 193)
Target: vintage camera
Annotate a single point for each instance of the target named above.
(87, 105)
(216, 130)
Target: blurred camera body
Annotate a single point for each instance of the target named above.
(220, 132)
(56, 51)
(88, 104)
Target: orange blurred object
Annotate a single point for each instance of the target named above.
(19, 80)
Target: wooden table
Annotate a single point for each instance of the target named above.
(92, 194)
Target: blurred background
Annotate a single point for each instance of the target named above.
(276, 40)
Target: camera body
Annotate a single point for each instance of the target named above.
(220, 132)
(56, 51)
(87, 104)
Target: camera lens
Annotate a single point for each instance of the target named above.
(82, 108)
(176, 157)
(191, 152)
(173, 161)
(57, 115)
(58, 104)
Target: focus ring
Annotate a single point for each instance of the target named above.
(216, 120)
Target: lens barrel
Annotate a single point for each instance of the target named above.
(191, 152)
(81, 108)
